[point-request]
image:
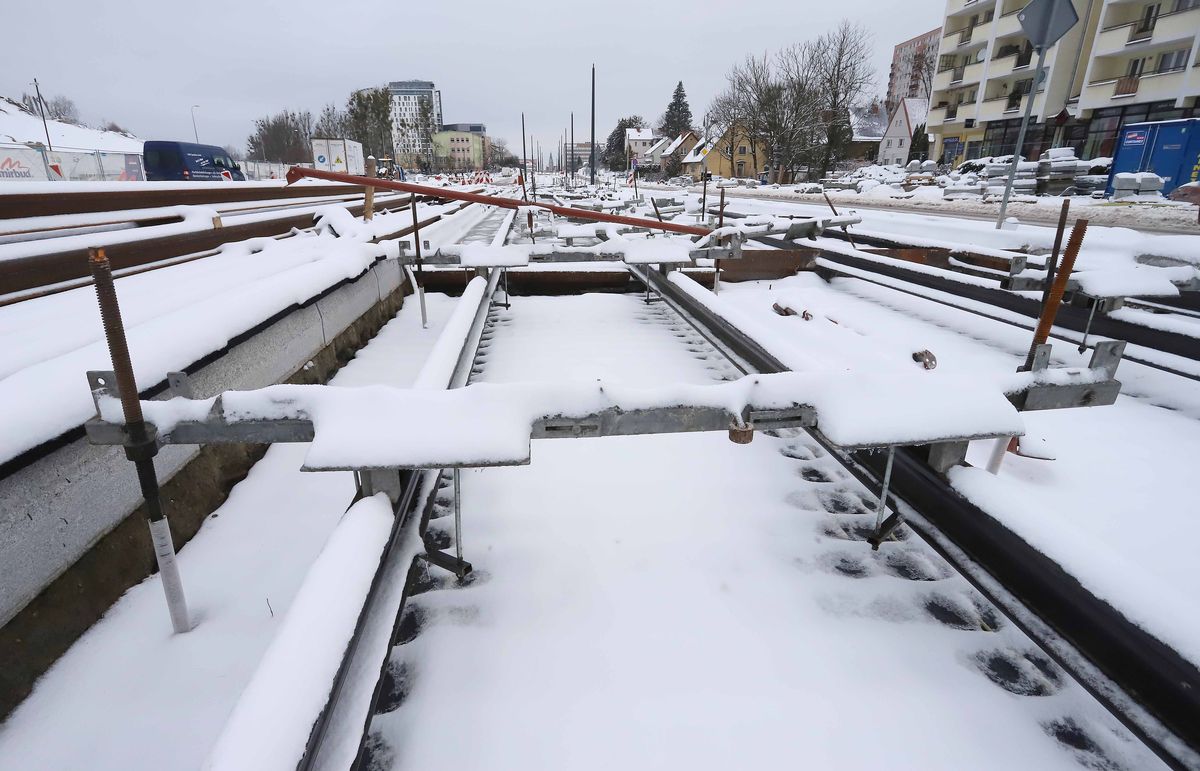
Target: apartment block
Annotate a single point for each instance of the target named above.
(413, 102)
(1125, 61)
(459, 150)
(907, 75)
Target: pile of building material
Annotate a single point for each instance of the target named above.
(995, 173)
(1131, 185)
(1056, 171)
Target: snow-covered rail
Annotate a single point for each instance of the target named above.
(423, 647)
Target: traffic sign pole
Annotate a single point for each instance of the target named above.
(1044, 22)
(1016, 159)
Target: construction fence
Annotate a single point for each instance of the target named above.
(37, 163)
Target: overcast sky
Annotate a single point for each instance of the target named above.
(144, 63)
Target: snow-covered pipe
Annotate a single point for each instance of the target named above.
(269, 727)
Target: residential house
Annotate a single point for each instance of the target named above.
(908, 116)
(651, 159)
(728, 154)
(868, 124)
(637, 141)
(678, 148)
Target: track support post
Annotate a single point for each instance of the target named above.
(141, 442)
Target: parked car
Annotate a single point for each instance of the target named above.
(189, 162)
(682, 181)
(1189, 193)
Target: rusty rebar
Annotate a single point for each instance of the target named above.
(1050, 307)
(114, 334)
(141, 444)
(297, 172)
(1058, 237)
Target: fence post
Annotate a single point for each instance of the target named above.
(369, 195)
(45, 162)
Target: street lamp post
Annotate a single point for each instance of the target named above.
(195, 133)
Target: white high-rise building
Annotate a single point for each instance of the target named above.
(1126, 61)
(413, 141)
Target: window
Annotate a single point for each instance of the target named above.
(900, 142)
(889, 143)
(1172, 61)
(741, 149)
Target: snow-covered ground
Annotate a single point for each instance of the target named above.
(1107, 264)
(18, 127)
(175, 316)
(681, 601)
(1086, 509)
(1159, 216)
(129, 685)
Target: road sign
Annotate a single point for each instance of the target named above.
(1046, 21)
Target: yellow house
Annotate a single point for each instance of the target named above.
(730, 154)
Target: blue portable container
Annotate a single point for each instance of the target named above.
(1169, 148)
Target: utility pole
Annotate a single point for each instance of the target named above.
(42, 111)
(592, 161)
(195, 133)
(524, 155)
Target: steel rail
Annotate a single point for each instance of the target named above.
(1069, 316)
(62, 200)
(1148, 686)
(23, 274)
(296, 173)
(357, 659)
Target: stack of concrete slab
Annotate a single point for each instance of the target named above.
(996, 171)
(1128, 185)
(1056, 171)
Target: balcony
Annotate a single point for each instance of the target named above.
(1152, 86)
(951, 113)
(1009, 64)
(1162, 32)
(956, 7)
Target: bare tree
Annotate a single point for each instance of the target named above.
(331, 123)
(726, 120)
(838, 63)
(56, 107)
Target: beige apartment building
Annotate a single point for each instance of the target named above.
(1125, 61)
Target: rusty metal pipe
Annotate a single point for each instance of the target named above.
(296, 173)
(1050, 308)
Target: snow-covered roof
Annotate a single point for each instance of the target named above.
(700, 150)
(917, 109)
(632, 134)
(675, 144)
(650, 152)
(869, 122)
(19, 126)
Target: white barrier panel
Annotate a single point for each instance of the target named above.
(21, 163)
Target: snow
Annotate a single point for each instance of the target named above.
(311, 640)
(129, 693)
(1101, 508)
(19, 127)
(173, 317)
(695, 613)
